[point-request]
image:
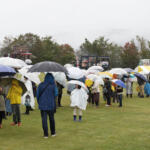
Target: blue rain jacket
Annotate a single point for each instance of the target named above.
(46, 93)
(147, 88)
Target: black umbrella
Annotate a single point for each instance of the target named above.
(48, 66)
(138, 75)
(7, 81)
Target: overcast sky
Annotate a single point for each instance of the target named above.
(71, 21)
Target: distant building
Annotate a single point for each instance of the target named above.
(21, 52)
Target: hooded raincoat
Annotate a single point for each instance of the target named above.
(15, 92)
(46, 93)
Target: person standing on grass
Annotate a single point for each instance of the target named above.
(46, 94)
(60, 92)
(78, 99)
(107, 91)
(119, 91)
(129, 86)
(14, 95)
(95, 94)
(2, 107)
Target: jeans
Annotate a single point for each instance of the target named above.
(120, 99)
(16, 113)
(108, 98)
(50, 114)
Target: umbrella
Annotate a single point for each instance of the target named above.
(105, 75)
(92, 72)
(143, 69)
(34, 77)
(12, 62)
(96, 79)
(75, 82)
(6, 71)
(60, 77)
(98, 68)
(138, 75)
(129, 70)
(28, 61)
(47, 66)
(7, 81)
(75, 73)
(119, 71)
(119, 82)
(68, 65)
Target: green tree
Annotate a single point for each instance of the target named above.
(130, 55)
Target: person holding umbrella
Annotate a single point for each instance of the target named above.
(119, 90)
(78, 98)
(14, 95)
(46, 94)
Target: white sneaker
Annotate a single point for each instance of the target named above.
(107, 105)
(45, 137)
(53, 135)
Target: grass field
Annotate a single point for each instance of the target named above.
(103, 128)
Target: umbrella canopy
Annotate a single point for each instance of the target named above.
(60, 77)
(34, 77)
(75, 73)
(7, 81)
(129, 70)
(96, 79)
(12, 62)
(143, 69)
(119, 71)
(28, 61)
(138, 75)
(75, 82)
(119, 82)
(105, 75)
(6, 71)
(68, 65)
(98, 68)
(92, 72)
(47, 66)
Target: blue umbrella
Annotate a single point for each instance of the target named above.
(6, 71)
(119, 82)
(138, 75)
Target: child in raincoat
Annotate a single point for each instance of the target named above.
(78, 101)
(14, 95)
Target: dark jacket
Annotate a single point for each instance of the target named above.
(107, 88)
(140, 81)
(46, 93)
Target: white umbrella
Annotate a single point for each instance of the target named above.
(92, 72)
(75, 73)
(98, 68)
(96, 79)
(12, 62)
(75, 82)
(28, 61)
(60, 77)
(119, 71)
(31, 76)
(68, 65)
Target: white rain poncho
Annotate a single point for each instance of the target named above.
(79, 98)
(29, 92)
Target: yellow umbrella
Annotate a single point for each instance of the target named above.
(88, 82)
(105, 74)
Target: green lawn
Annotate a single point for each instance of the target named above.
(103, 128)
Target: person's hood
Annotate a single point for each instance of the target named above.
(49, 78)
(15, 82)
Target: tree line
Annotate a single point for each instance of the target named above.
(44, 48)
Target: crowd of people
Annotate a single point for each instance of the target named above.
(49, 95)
